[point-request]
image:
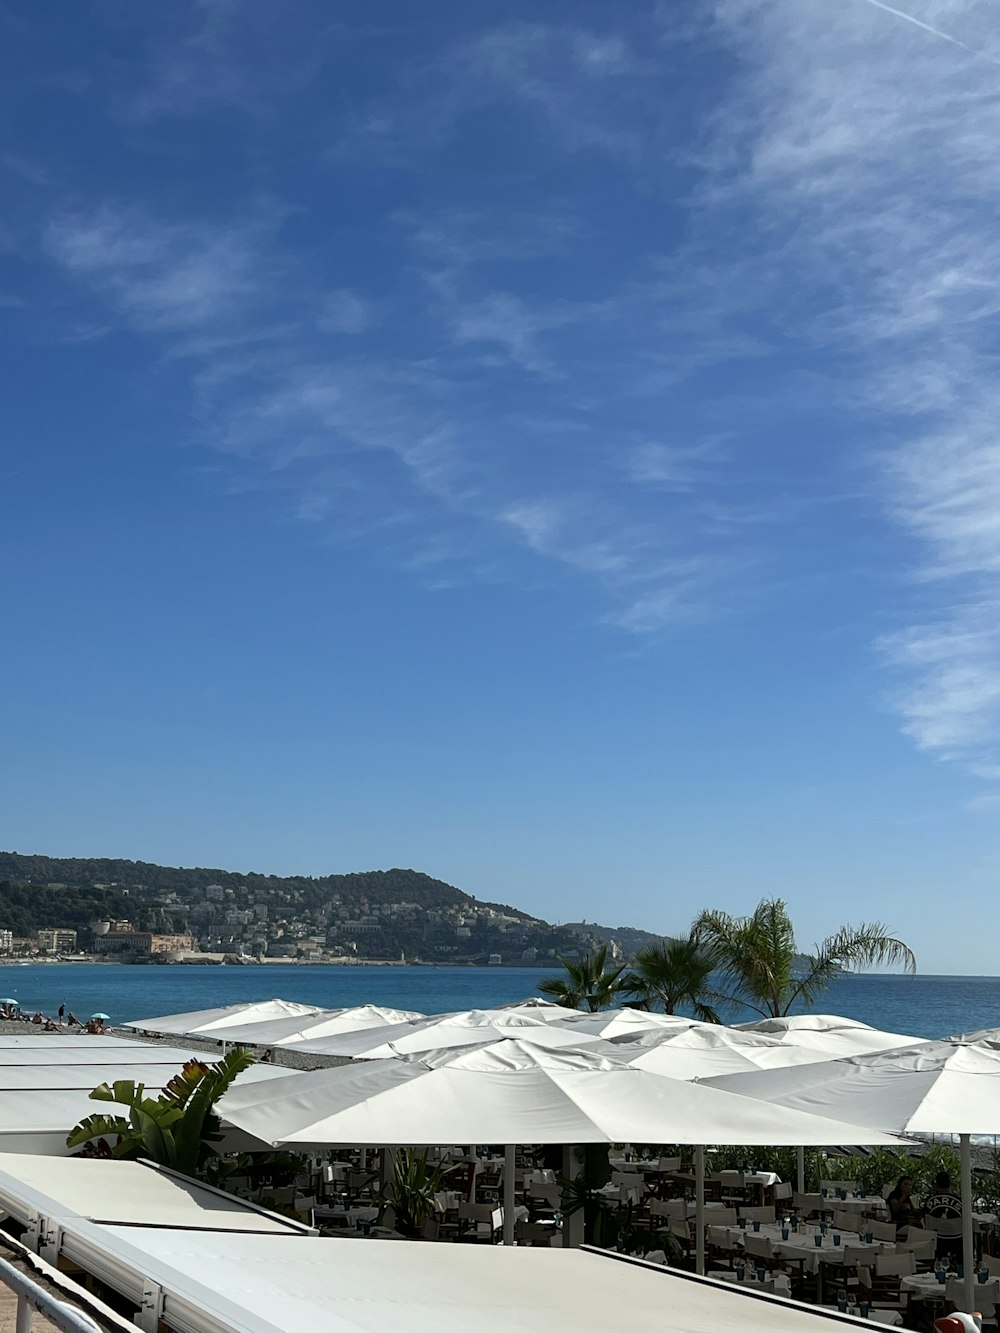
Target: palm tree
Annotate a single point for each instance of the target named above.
(179, 1128)
(763, 969)
(675, 972)
(588, 984)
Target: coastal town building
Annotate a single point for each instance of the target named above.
(141, 943)
(57, 940)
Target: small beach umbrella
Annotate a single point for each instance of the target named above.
(104, 1017)
(937, 1087)
(211, 1021)
(474, 1027)
(15, 1003)
(511, 1092)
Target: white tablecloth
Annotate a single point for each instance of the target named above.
(926, 1287)
(801, 1245)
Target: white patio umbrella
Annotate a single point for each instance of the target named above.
(211, 1021)
(515, 1092)
(705, 1052)
(473, 1027)
(297, 1028)
(939, 1087)
(614, 1023)
(540, 1008)
(830, 1034)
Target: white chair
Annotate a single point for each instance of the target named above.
(721, 1217)
(882, 1230)
(765, 1214)
(669, 1163)
(887, 1274)
(721, 1246)
(992, 1265)
(758, 1248)
(783, 1191)
(674, 1209)
(922, 1244)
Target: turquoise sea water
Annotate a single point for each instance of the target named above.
(924, 1006)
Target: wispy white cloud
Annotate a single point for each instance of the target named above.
(168, 277)
(863, 147)
(588, 89)
(228, 53)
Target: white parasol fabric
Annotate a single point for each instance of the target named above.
(515, 1092)
(830, 1034)
(229, 1015)
(474, 1027)
(611, 1024)
(297, 1028)
(704, 1052)
(937, 1087)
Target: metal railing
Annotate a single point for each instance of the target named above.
(32, 1297)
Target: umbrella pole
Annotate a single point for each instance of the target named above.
(699, 1209)
(508, 1194)
(965, 1158)
(800, 1170)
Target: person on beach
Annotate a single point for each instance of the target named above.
(73, 1021)
(902, 1207)
(62, 1012)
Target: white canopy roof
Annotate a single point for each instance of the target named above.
(131, 1193)
(264, 1284)
(935, 1088)
(470, 1028)
(228, 1015)
(830, 1034)
(326, 1023)
(701, 1052)
(513, 1092)
(44, 1089)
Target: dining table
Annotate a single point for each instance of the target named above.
(809, 1245)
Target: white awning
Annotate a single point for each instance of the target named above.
(124, 1193)
(224, 1283)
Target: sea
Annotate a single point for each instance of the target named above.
(921, 1006)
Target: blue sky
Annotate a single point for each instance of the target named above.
(551, 446)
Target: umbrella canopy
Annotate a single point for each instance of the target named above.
(475, 1027)
(939, 1087)
(514, 1092)
(830, 1034)
(105, 1017)
(229, 1015)
(699, 1052)
(327, 1023)
(611, 1024)
(541, 1008)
